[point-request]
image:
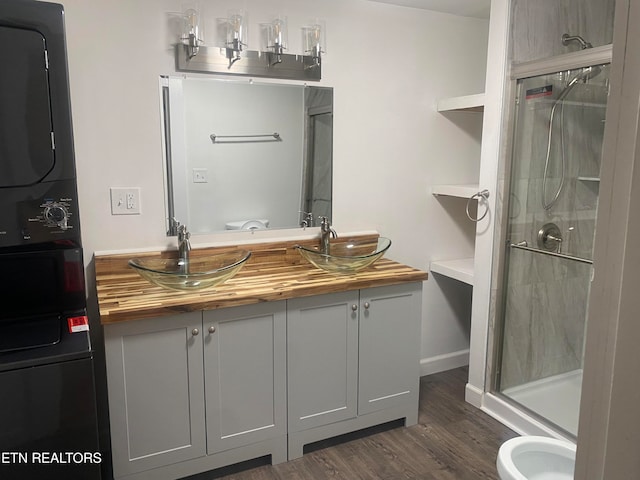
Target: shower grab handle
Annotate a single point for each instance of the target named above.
(484, 194)
(523, 246)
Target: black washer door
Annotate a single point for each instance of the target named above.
(26, 153)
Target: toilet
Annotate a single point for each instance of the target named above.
(247, 225)
(536, 458)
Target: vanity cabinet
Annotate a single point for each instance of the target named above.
(389, 348)
(156, 392)
(353, 361)
(245, 375)
(281, 355)
(196, 391)
(322, 347)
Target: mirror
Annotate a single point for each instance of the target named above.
(245, 154)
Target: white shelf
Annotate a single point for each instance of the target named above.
(464, 191)
(461, 269)
(458, 269)
(467, 103)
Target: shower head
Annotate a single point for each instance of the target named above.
(566, 39)
(587, 73)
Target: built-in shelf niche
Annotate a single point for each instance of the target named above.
(462, 191)
(466, 103)
(458, 269)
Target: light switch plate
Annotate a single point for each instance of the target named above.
(200, 175)
(125, 200)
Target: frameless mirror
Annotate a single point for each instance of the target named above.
(244, 154)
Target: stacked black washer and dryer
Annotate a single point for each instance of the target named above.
(48, 421)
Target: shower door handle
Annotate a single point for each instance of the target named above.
(523, 246)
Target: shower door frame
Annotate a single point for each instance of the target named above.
(493, 398)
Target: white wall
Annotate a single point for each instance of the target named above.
(388, 66)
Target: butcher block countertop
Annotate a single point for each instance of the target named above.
(275, 271)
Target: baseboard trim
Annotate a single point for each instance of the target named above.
(473, 395)
(441, 363)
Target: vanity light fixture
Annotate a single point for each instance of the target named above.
(275, 39)
(314, 42)
(192, 33)
(237, 36)
(270, 61)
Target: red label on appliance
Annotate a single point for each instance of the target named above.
(78, 324)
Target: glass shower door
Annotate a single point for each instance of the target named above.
(552, 198)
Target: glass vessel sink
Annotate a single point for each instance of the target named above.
(196, 274)
(347, 257)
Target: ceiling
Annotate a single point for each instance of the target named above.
(466, 8)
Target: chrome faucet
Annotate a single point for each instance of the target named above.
(326, 231)
(183, 245)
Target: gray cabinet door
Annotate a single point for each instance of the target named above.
(245, 367)
(390, 322)
(156, 392)
(322, 349)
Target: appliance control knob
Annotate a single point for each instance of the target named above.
(56, 214)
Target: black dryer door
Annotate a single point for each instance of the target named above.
(26, 144)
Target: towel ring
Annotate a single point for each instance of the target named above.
(484, 194)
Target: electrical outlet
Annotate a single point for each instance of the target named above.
(125, 200)
(200, 175)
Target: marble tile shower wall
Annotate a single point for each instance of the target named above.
(546, 310)
(546, 297)
(538, 25)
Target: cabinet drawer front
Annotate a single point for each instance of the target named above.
(245, 374)
(390, 321)
(322, 349)
(156, 397)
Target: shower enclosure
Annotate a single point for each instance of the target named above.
(550, 224)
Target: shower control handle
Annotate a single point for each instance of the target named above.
(549, 238)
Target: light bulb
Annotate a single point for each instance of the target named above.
(192, 22)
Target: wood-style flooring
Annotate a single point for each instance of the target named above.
(452, 441)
